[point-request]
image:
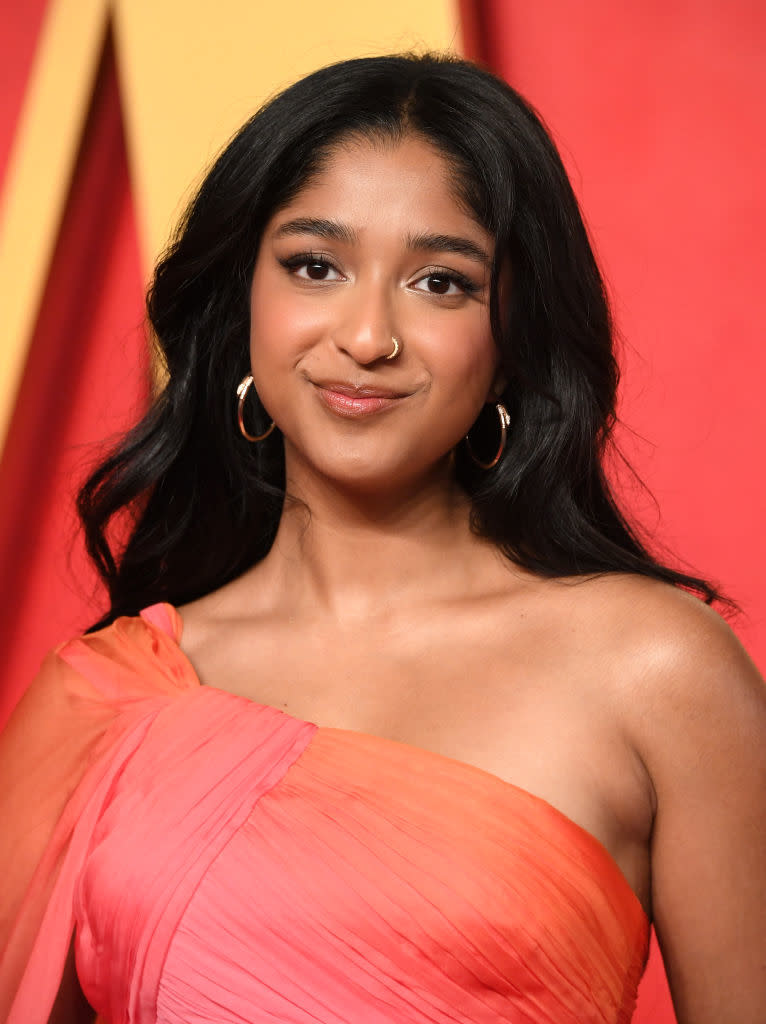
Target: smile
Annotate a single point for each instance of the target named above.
(356, 402)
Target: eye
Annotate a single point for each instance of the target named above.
(445, 282)
(311, 267)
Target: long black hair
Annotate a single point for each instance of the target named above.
(204, 504)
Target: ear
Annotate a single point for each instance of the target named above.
(498, 386)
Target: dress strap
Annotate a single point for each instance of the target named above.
(165, 617)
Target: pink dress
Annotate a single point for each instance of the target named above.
(223, 862)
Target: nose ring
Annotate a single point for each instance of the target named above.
(397, 348)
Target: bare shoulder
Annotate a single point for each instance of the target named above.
(663, 639)
(226, 611)
(694, 705)
(671, 668)
(678, 669)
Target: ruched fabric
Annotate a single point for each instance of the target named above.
(226, 863)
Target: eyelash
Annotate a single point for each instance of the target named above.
(464, 283)
(303, 259)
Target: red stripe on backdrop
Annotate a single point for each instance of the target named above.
(658, 111)
(18, 41)
(85, 379)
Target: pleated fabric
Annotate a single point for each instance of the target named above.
(231, 864)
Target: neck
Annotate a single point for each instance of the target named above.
(351, 555)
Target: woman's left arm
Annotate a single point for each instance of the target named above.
(700, 721)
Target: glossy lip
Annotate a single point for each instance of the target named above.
(353, 402)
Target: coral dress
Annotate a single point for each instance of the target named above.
(223, 862)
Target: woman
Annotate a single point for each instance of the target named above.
(392, 716)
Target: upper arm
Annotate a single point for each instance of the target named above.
(701, 730)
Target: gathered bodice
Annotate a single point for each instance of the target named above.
(248, 866)
(222, 862)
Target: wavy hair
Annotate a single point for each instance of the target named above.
(205, 505)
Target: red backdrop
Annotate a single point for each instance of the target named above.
(85, 378)
(18, 40)
(658, 110)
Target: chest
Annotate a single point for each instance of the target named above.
(468, 683)
(528, 701)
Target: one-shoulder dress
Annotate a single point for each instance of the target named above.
(219, 861)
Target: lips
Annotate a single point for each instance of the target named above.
(353, 401)
(358, 390)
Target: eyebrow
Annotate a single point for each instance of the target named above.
(317, 226)
(422, 242)
(427, 242)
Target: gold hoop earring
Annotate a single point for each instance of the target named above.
(397, 348)
(505, 422)
(242, 389)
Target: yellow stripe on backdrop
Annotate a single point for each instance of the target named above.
(191, 71)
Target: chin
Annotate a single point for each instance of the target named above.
(376, 479)
(369, 479)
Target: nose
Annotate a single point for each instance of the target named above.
(365, 326)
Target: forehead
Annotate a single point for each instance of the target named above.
(404, 183)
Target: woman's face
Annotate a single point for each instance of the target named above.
(375, 247)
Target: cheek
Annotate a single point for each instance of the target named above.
(281, 326)
(470, 360)
(267, 313)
